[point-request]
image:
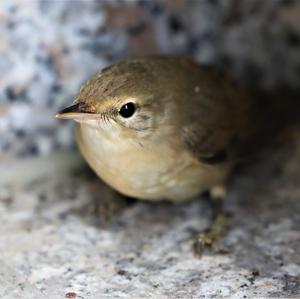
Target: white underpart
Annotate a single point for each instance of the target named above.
(140, 168)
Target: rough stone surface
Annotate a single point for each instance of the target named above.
(52, 246)
(49, 48)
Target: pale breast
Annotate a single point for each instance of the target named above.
(144, 170)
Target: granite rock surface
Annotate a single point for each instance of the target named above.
(52, 244)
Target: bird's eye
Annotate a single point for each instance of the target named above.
(127, 110)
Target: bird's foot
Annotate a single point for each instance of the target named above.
(108, 205)
(104, 204)
(211, 239)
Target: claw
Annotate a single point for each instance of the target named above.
(212, 237)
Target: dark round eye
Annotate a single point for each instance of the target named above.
(127, 110)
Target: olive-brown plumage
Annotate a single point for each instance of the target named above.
(164, 127)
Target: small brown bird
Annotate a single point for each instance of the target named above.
(162, 127)
(165, 127)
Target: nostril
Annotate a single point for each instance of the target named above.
(84, 107)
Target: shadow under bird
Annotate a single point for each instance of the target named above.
(165, 127)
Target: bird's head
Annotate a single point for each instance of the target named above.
(129, 96)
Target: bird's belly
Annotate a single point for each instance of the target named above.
(137, 171)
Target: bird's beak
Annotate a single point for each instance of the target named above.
(77, 112)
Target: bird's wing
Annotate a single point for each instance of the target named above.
(223, 131)
(212, 145)
(204, 144)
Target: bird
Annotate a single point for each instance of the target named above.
(167, 128)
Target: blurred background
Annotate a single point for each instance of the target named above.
(49, 48)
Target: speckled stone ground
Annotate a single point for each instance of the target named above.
(52, 246)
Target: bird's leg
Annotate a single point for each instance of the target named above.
(104, 203)
(108, 204)
(218, 192)
(211, 238)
